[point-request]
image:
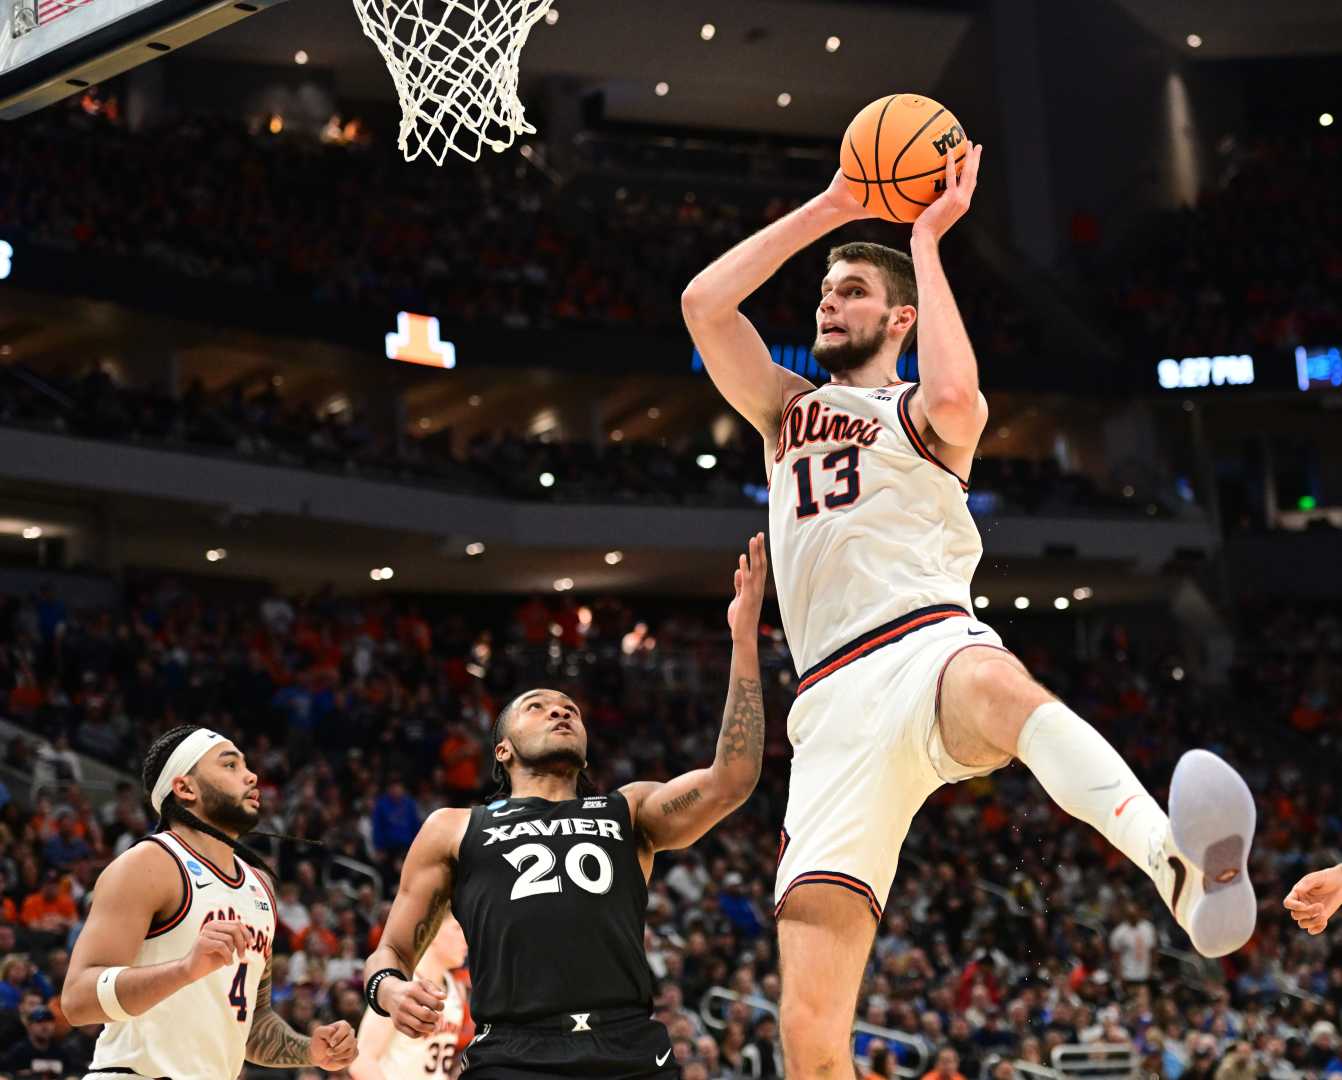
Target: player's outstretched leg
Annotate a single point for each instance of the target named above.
(1197, 856)
(824, 936)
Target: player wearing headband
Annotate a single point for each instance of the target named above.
(175, 955)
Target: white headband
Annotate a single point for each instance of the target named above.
(180, 762)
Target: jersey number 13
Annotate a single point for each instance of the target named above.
(846, 486)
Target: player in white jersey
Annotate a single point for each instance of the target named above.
(174, 957)
(902, 689)
(387, 1054)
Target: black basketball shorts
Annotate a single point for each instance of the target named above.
(616, 1046)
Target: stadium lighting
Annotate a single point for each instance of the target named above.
(475, 548)
(32, 532)
(300, 57)
(1082, 592)
(706, 461)
(980, 602)
(551, 17)
(617, 435)
(1022, 602)
(1194, 41)
(563, 584)
(375, 574)
(547, 479)
(216, 555)
(784, 100)
(1325, 119)
(1061, 603)
(832, 44)
(654, 413)
(708, 31)
(614, 558)
(1177, 674)
(388, 573)
(474, 401)
(662, 89)
(276, 124)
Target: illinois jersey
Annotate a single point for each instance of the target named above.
(873, 550)
(200, 1032)
(405, 1057)
(866, 525)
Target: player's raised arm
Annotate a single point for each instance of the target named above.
(421, 903)
(675, 814)
(733, 352)
(101, 986)
(948, 392)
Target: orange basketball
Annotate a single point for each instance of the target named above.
(894, 154)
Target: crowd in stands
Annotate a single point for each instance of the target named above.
(1254, 265)
(1011, 929)
(498, 242)
(689, 470)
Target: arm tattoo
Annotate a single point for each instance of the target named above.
(682, 802)
(427, 928)
(743, 725)
(271, 1041)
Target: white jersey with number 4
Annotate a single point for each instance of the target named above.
(200, 1032)
(866, 525)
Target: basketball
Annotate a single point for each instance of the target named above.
(894, 154)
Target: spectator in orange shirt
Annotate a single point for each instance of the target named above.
(50, 909)
(461, 753)
(947, 1066)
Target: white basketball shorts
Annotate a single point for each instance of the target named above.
(867, 752)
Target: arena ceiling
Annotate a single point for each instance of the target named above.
(760, 49)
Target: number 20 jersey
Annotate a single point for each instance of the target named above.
(865, 523)
(552, 900)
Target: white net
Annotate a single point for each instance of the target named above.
(455, 66)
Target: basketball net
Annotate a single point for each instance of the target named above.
(455, 66)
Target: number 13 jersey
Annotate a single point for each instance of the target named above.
(552, 900)
(865, 523)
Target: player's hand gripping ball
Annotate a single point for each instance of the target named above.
(894, 154)
(333, 1046)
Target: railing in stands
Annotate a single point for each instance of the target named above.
(906, 1046)
(1108, 1060)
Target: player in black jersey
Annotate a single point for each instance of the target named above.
(550, 886)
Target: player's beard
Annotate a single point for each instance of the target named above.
(552, 759)
(230, 814)
(852, 353)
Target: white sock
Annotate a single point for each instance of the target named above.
(1084, 775)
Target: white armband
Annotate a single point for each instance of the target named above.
(107, 994)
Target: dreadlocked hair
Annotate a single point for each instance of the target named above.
(174, 813)
(499, 774)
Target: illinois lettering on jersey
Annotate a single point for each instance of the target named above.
(200, 1032)
(866, 524)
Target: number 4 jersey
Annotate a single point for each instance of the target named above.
(551, 897)
(200, 1032)
(866, 524)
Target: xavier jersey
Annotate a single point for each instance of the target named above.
(551, 897)
(405, 1058)
(865, 523)
(200, 1032)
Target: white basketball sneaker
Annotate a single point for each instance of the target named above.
(1202, 868)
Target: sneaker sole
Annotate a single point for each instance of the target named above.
(1212, 819)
